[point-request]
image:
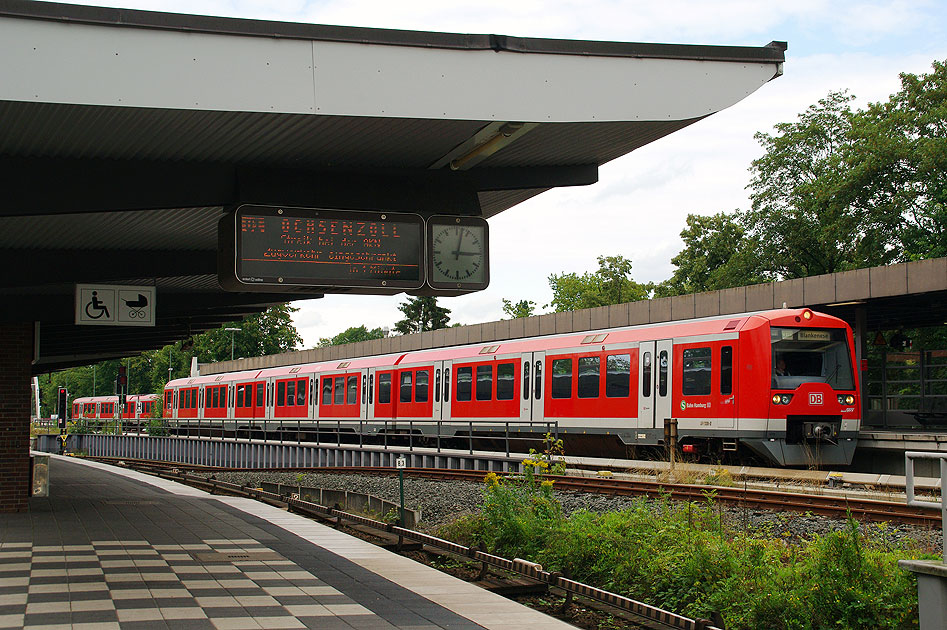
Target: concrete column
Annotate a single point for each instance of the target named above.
(931, 592)
(16, 356)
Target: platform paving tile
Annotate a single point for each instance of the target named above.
(112, 548)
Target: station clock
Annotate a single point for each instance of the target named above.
(458, 253)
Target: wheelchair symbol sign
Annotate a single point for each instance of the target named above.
(115, 305)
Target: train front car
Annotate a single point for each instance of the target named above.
(799, 379)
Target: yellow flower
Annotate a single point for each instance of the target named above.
(546, 484)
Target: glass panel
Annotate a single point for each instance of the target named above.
(351, 397)
(525, 380)
(588, 377)
(384, 389)
(326, 390)
(291, 394)
(446, 384)
(281, 394)
(538, 381)
(420, 385)
(617, 375)
(484, 382)
(811, 355)
(437, 386)
(562, 378)
(215, 398)
(726, 370)
(405, 392)
(260, 395)
(697, 370)
(301, 392)
(464, 383)
(371, 389)
(339, 397)
(663, 374)
(646, 375)
(506, 374)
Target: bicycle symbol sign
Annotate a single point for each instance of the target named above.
(115, 305)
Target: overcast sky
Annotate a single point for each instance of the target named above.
(638, 207)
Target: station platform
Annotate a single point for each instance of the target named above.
(117, 549)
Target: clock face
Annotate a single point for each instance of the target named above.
(458, 254)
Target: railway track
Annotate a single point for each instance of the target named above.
(750, 498)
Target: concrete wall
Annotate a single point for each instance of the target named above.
(858, 285)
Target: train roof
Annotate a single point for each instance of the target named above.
(605, 337)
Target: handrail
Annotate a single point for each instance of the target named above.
(913, 501)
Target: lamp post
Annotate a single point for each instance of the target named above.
(232, 331)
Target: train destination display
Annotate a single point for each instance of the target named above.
(313, 247)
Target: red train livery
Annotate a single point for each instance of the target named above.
(137, 406)
(780, 384)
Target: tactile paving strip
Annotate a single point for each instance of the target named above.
(132, 585)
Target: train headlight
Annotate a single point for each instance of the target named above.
(846, 399)
(785, 398)
(807, 314)
(776, 399)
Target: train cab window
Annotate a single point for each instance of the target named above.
(646, 375)
(617, 375)
(588, 377)
(464, 383)
(437, 386)
(726, 370)
(281, 394)
(697, 370)
(505, 375)
(326, 391)
(663, 374)
(421, 383)
(339, 396)
(562, 378)
(384, 389)
(484, 382)
(351, 397)
(290, 393)
(260, 395)
(406, 379)
(538, 381)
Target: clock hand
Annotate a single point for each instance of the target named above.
(459, 240)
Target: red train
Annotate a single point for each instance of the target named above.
(138, 406)
(779, 384)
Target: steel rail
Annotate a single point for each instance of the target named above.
(774, 500)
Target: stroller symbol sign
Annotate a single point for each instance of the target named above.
(115, 305)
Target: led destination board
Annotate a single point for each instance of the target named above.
(312, 247)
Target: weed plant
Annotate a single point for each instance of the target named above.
(681, 556)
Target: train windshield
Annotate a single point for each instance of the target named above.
(811, 355)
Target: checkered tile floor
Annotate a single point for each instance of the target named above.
(133, 585)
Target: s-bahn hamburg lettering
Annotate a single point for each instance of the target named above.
(779, 385)
(320, 247)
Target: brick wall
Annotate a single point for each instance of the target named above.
(16, 354)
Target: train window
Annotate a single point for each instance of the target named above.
(446, 384)
(663, 373)
(352, 390)
(646, 375)
(371, 389)
(215, 398)
(484, 382)
(364, 387)
(384, 389)
(505, 375)
(326, 391)
(726, 370)
(260, 396)
(617, 375)
(437, 386)
(281, 394)
(697, 371)
(538, 381)
(562, 378)
(406, 378)
(301, 392)
(464, 383)
(525, 380)
(339, 397)
(421, 385)
(589, 374)
(291, 394)
(242, 396)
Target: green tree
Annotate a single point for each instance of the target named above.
(610, 284)
(897, 162)
(353, 335)
(422, 314)
(523, 308)
(715, 256)
(802, 222)
(269, 332)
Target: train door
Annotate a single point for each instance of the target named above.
(442, 376)
(728, 385)
(363, 399)
(646, 381)
(533, 398)
(663, 351)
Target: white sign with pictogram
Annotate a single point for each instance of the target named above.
(114, 305)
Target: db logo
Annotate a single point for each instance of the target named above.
(815, 399)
